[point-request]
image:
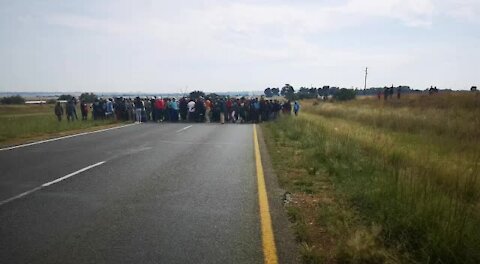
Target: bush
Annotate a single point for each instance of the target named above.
(88, 97)
(66, 97)
(196, 94)
(344, 94)
(16, 99)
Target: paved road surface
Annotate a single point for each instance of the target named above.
(165, 193)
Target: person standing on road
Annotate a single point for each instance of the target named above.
(241, 110)
(208, 109)
(59, 111)
(158, 109)
(296, 108)
(222, 108)
(173, 110)
(215, 110)
(228, 105)
(152, 108)
(183, 109)
(129, 109)
(191, 110)
(166, 110)
(199, 110)
(148, 109)
(138, 109)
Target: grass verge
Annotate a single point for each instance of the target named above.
(366, 193)
(27, 123)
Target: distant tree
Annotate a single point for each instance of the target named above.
(65, 97)
(303, 93)
(16, 99)
(288, 92)
(325, 91)
(88, 97)
(196, 94)
(212, 95)
(276, 91)
(344, 94)
(268, 92)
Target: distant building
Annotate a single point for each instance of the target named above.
(35, 102)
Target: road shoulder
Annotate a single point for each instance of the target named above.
(287, 248)
(33, 140)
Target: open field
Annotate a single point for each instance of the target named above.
(24, 123)
(376, 181)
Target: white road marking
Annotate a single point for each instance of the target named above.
(49, 183)
(20, 195)
(72, 174)
(185, 128)
(64, 137)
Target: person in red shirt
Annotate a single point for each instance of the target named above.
(159, 109)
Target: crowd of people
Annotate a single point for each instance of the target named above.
(388, 93)
(219, 109)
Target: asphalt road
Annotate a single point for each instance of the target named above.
(166, 193)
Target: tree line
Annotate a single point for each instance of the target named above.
(15, 99)
(337, 93)
(307, 93)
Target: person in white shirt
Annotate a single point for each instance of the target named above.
(191, 110)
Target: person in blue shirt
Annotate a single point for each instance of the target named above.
(109, 108)
(173, 110)
(296, 108)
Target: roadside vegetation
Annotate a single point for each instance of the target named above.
(25, 123)
(15, 99)
(376, 181)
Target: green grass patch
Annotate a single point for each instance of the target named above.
(381, 194)
(23, 123)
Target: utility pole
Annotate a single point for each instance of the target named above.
(185, 91)
(366, 73)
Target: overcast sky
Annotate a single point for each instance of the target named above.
(219, 45)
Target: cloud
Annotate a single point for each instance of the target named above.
(412, 13)
(269, 36)
(463, 10)
(245, 33)
(247, 18)
(80, 22)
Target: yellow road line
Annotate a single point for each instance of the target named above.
(268, 240)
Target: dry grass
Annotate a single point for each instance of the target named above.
(404, 187)
(25, 123)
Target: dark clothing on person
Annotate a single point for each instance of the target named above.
(70, 110)
(199, 110)
(84, 110)
(59, 111)
(138, 103)
(182, 104)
